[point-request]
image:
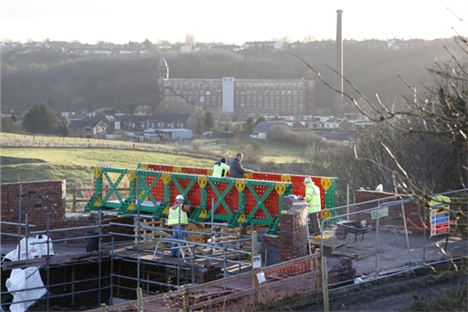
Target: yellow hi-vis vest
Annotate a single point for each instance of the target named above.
(312, 197)
(440, 202)
(218, 170)
(177, 216)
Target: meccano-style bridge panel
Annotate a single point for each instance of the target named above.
(327, 185)
(236, 201)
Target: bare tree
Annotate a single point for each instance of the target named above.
(433, 124)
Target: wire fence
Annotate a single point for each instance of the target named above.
(31, 141)
(244, 291)
(380, 237)
(357, 244)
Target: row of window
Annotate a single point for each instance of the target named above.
(271, 92)
(196, 97)
(268, 99)
(249, 90)
(270, 110)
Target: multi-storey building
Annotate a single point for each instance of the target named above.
(243, 96)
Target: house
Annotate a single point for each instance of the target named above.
(359, 121)
(163, 120)
(186, 48)
(226, 47)
(131, 122)
(171, 120)
(332, 123)
(263, 44)
(87, 128)
(181, 135)
(109, 120)
(218, 134)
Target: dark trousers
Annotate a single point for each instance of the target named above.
(178, 232)
(314, 228)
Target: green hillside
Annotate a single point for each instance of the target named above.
(74, 164)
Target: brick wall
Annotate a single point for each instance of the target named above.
(291, 242)
(41, 200)
(37, 200)
(414, 213)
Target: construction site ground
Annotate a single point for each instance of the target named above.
(392, 249)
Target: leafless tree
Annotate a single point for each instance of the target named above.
(430, 130)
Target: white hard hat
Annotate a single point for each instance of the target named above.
(307, 180)
(179, 198)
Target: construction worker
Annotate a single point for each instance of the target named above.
(237, 170)
(178, 220)
(220, 169)
(312, 198)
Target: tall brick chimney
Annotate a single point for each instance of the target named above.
(339, 58)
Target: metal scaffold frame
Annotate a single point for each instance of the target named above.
(221, 251)
(49, 261)
(232, 251)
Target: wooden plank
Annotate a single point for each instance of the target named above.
(353, 252)
(209, 292)
(332, 244)
(53, 260)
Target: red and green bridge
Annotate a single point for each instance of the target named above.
(150, 189)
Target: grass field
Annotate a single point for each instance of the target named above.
(258, 150)
(74, 164)
(29, 158)
(254, 150)
(19, 140)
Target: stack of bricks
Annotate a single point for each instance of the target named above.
(292, 239)
(414, 213)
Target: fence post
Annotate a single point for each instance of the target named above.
(326, 306)
(20, 218)
(254, 245)
(185, 298)
(347, 201)
(140, 307)
(74, 199)
(424, 235)
(377, 226)
(403, 212)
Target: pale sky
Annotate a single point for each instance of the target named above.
(234, 21)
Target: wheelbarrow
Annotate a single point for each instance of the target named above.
(353, 227)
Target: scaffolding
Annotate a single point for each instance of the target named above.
(314, 276)
(231, 252)
(145, 249)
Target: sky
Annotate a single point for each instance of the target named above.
(234, 21)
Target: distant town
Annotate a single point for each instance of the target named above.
(190, 46)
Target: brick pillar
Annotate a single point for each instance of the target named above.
(291, 241)
(293, 230)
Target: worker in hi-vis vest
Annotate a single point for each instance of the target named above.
(178, 220)
(312, 198)
(220, 169)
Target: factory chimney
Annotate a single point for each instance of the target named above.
(339, 58)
